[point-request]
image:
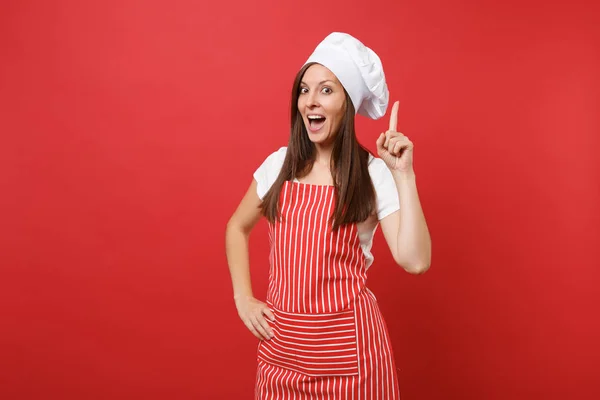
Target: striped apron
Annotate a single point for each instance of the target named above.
(330, 339)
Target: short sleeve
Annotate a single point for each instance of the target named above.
(268, 171)
(385, 188)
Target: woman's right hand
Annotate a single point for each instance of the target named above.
(253, 312)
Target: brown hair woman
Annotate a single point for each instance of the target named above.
(321, 332)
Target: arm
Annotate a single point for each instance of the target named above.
(405, 230)
(237, 236)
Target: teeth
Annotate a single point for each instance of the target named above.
(315, 117)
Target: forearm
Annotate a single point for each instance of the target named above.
(238, 259)
(414, 242)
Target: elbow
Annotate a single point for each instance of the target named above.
(235, 226)
(417, 267)
(416, 262)
(232, 226)
(231, 223)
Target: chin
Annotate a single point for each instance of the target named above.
(318, 137)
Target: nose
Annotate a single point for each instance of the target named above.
(312, 100)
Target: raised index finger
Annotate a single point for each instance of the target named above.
(394, 117)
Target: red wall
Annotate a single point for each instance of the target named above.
(130, 130)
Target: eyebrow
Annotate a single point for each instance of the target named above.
(320, 83)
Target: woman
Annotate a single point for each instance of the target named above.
(321, 332)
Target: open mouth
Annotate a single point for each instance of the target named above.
(316, 122)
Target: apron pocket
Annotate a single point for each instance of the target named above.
(312, 344)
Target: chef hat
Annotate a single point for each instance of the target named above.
(358, 69)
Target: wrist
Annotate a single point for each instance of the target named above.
(242, 296)
(404, 175)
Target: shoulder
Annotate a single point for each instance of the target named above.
(274, 161)
(268, 171)
(385, 187)
(378, 170)
(278, 156)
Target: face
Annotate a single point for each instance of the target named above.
(322, 104)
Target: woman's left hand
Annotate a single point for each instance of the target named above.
(395, 149)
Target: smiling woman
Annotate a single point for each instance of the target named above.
(325, 152)
(321, 102)
(324, 195)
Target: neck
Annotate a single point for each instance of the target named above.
(324, 154)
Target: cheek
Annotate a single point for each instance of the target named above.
(334, 108)
(338, 117)
(338, 109)
(301, 103)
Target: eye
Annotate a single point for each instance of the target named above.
(326, 90)
(303, 90)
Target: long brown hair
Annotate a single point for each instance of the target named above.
(350, 160)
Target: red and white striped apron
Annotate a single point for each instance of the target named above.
(330, 339)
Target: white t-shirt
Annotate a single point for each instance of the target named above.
(385, 190)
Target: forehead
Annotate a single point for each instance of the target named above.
(318, 73)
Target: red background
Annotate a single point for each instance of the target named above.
(130, 130)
